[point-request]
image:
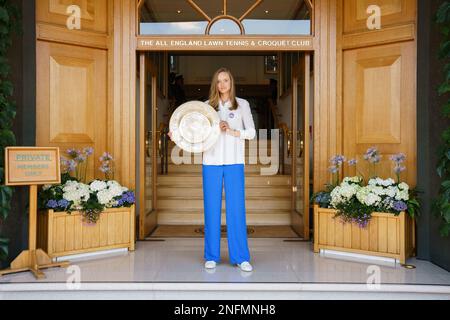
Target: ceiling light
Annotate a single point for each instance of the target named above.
(179, 11)
(266, 12)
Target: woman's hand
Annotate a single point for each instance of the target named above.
(224, 126)
(170, 135)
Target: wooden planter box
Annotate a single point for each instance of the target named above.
(61, 234)
(386, 235)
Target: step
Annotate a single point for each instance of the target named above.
(197, 191)
(196, 217)
(250, 180)
(188, 203)
(197, 168)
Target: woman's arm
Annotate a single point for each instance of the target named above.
(249, 131)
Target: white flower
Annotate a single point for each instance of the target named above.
(72, 196)
(388, 182)
(362, 194)
(366, 196)
(46, 187)
(76, 192)
(403, 186)
(98, 185)
(115, 190)
(343, 193)
(111, 183)
(377, 190)
(391, 191)
(104, 196)
(402, 195)
(85, 192)
(348, 180)
(70, 186)
(372, 199)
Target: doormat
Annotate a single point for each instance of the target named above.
(190, 231)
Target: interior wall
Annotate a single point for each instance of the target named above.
(245, 69)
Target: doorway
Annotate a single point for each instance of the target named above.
(277, 86)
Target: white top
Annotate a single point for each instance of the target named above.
(229, 149)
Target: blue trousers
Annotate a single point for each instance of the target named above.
(214, 177)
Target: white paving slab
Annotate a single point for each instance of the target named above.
(173, 268)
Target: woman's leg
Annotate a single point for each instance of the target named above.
(235, 208)
(212, 202)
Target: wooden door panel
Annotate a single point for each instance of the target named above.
(393, 12)
(379, 104)
(94, 13)
(72, 98)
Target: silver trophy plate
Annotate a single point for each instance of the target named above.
(195, 126)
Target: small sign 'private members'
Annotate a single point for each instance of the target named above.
(32, 166)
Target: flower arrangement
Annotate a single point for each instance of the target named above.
(107, 165)
(91, 198)
(76, 163)
(355, 200)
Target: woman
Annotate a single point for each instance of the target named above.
(224, 162)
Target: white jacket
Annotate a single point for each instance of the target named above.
(229, 149)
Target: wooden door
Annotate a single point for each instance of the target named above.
(300, 146)
(72, 79)
(379, 85)
(147, 119)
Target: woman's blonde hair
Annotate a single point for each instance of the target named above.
(214, 94)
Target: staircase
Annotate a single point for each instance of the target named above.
(180, 195)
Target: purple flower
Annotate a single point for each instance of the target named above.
(68, 165)
(105, 169)
(126, 198)
(63, 203)
(337, 160)
(398, 158)
(73, 153)
(352, 162)
(106, 157)
(372, 155)
(399, 169)
(129, 197)
(88, 151)
(333, 169)
(52, 204)
(399, 206)
(71, 165)
(80, 158)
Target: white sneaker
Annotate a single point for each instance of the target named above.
(246, 266)
(210, 264)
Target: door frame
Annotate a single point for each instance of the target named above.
(296, 72)
(301, 71)
(146, 67)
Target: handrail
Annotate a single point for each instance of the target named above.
(284, 135)
(273, 108)
(163, 147)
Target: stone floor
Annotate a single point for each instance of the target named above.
(275, 261)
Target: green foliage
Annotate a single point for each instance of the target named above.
(9, 24)
(353, 211)
(441, 206)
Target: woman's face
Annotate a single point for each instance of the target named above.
(224, 83)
